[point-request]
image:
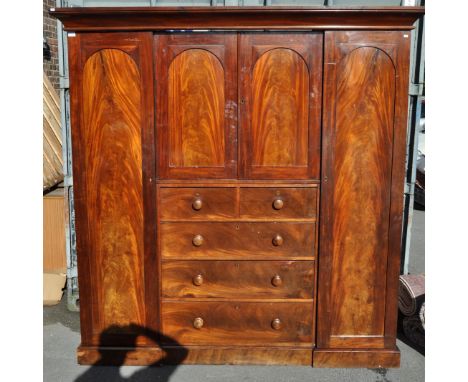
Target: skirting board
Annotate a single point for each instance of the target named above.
(173, 355)
(370, 358)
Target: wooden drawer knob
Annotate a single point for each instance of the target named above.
(278, 204)
(278, 240)
(197, 240)
(198, 323)
(197, 204)
(277, 281)
(198, 280)
(276, 324)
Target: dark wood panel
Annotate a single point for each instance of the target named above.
(113, 188)
(189, 355)
(197, 105)
(280, 105)
(278, 203)
(198, 203)
(238, 323)
(375, 358)
(237, 240)
(242, 18)
(237, 280)
(359, 154)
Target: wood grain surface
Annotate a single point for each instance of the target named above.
(197, 105)
(238, 18)
(256, 203)
(356, 201)
(240, 240)
(280, 104)
(370, 358)
(112, 120)
(238, 279)
(238, 323)
(216, 203)
(114, 196)
(201, 355)
(280, 83)
(196, 110)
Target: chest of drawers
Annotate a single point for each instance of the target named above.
(238, 191)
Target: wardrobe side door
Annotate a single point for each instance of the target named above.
(363, 161)
(280, 81)
(113, 146)
(196, 77)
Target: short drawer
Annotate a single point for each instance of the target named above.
(198, 203)
(243, 240)
(238, 279)
(238, 323)
(278, 203)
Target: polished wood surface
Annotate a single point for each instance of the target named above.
(237, 240)
(256, 203)
(198, 203)
(237, 279)
(190, 355)
(238, 323)
(280, 100)
(197, 105)
(240, 18)
(208, 167)
(359, 136)
(111, 119)
(370, 358)
(111, 181)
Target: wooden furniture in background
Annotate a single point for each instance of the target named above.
(239, 192)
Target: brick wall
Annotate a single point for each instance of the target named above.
(50, 64)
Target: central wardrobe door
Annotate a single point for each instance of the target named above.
(280, 104)
(196, 105)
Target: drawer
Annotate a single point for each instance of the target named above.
(278, 203)
(198, 203)
(234, 240)
(238, 279)
(238, 323)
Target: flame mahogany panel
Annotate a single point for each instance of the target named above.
(363, 137)
(280, 104)
(111, 111)
(197, 107)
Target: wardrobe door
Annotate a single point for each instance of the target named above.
(196, 77)
(280, 101)
(113, 146)
(364, 130)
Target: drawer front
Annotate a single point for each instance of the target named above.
(238, 279)
(238, 323)
(198, 203)
(233, 240)
(278, 203)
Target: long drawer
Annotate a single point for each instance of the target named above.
(242, 240)
(238, 323)
(238, 279)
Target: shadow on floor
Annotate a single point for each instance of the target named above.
(102, 372)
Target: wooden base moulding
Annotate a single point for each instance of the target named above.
(190, 355)
(369, 358)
